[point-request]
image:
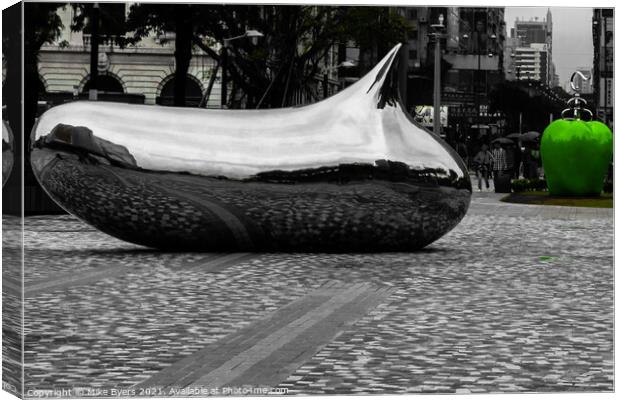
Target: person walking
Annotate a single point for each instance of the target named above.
(482, 164)
(461, 150)
(499, 160)
(517, 161)
(530, 162)
(510, 159)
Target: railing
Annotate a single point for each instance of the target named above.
(105, 40)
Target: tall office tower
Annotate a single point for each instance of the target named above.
(532, 63)
(603, 66)
(472, 53)
(533, 34)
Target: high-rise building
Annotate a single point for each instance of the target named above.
(532, 63)
(418, 37)
(553, 76)
(476, 55)
(472, 61)
(534, 31)
(510, 46)
(603, 66)
(534, 50)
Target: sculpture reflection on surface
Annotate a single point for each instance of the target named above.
(350, 173)
(8, 148)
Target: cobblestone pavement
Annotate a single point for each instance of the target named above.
(516, 298)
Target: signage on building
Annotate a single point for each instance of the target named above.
(463, 110)
(467, 110)
(457, 98)
(424, 116)
(485, 112)
(606, 92)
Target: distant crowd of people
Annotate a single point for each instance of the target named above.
(512, 160)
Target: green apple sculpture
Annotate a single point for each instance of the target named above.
(575, 155)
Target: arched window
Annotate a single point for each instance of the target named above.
(193, 93)
(106, 83)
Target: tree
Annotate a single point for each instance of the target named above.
(375, 30)
(284, 63)
(297, 40)
(11, 101)
(43, 25)
(111, 20)
(183, 20)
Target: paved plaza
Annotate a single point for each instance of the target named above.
(516, 298)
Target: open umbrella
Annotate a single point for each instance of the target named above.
(530, 136)
(502, 140)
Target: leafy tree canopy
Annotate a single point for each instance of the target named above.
(111, 19)
(44, 25)
(297, 40)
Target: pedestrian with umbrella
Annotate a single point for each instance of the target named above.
(515, 153)
(482, 165)
(499, 157)
(501, 179)
(531, 154)
(513, 136)
(502, 140)
(531, 136)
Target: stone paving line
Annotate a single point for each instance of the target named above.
(516, 298)
(284, 341)
(11, 306)
(211, 263)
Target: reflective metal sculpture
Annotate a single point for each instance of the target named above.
(8, 148)
(350, 173)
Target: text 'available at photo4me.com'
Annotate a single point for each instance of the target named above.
(154, 391)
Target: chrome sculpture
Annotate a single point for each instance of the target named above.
(350, 173)
(8, 149)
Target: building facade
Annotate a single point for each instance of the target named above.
(510, 47)
(532, 55)
(603, 66)
(475, 42)
(472, 47)
(143, 72)
(532, 63)
(534, 31)
(145, 69)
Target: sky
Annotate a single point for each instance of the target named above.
(572, 35)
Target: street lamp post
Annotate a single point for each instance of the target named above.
(251, 33)
(477, 86)
(476, 77)
(224, 83)
(437, 30)
(94, 51)
(604, 34)
(326, 71)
